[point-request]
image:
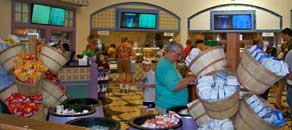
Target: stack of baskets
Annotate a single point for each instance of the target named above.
(252, 76)
(51, 93)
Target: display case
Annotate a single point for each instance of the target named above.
(151, 53)
(139, 54)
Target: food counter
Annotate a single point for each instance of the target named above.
(8, 122)
(76, 79)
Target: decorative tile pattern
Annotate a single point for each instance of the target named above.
(167, 21)
(104, 19)
(74, 73)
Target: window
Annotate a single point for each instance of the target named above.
(69, 18)
(21, 12)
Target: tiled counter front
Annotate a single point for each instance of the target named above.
(77, 80)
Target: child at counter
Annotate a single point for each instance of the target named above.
(103, 73)
(148, 85)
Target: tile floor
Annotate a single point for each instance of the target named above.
(124, 106)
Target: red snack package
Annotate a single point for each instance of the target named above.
(16, 111)
(38, 98)
(27, 111)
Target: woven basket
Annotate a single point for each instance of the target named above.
(52, 58)
(247, 119)
(197, 111)
(52, 94)
(41, 114)
(253, 76)
(7, 56)
(5, 93)
(29, 89)
(222, 109)
(210, 60)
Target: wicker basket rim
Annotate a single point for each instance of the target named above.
(203, 53)
(54, 49)
(20, 44)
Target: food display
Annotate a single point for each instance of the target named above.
(61, 110)
(162, 121)
(214, 124)
(271, 63)
(264, 111)
(25, 106)
(28, 69)
(218, 87)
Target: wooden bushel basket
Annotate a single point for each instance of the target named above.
(247, 119)
(52, 58)
(7, 56)
(254, 76)
(210, 60)
(222, 109)
(197, 111)
(52, 94)
(29, 89)
(40, 115)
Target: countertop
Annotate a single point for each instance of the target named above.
(19, 122)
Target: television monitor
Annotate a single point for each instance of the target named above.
(232, 21)
(135, 20)
(57, 16)
(40, 14)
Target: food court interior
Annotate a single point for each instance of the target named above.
(151, 25)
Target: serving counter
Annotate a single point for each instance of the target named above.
(9, 122)
(77, 80)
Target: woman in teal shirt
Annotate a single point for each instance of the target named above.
(171, 88)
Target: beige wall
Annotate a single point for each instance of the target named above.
(5, 21)
(183, 8)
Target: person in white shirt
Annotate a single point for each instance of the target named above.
(149, 88)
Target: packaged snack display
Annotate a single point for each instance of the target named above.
(214, 124)
(218, 87)
(162, 121)
(25, 106)
(264, 111)
(28, 69)
(193, 54)
(271, 63)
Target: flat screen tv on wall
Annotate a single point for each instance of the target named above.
(233, 21)
(42, 14)
(134, 20)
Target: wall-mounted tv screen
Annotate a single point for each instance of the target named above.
(134, 20)
(42, 14)
(232, 21)
(57, 16)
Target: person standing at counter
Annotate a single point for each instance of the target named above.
(286, 35)
(124, 52)
(188, 48)
(171, 88)
(133, 62)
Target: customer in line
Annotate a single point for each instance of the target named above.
(188, 48)
(124, 52)
(171, 88)
(288, 60)
(286, 35)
